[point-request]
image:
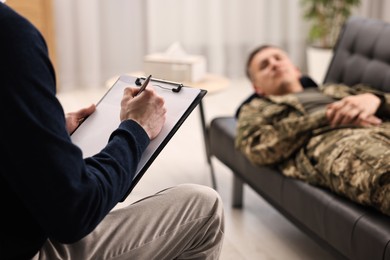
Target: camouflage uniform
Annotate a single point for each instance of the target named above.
(352, 161)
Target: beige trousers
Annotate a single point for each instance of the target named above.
(183, 222)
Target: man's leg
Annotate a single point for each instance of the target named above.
(356, 163)
(183, 222)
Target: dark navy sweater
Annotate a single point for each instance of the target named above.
(47, 189)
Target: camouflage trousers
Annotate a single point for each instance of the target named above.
(353, 162)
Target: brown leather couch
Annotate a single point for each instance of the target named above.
(349, 230)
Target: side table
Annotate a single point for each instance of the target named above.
(212, 83)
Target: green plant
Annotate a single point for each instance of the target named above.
(326, 18)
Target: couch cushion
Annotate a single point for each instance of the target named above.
(371, 236)
(362, 54)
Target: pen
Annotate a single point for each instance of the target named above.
(142, 88)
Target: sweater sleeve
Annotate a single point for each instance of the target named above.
(44, 171)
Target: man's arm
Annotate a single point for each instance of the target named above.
(36, 140)
(359, 105)
(356, 110)
(268, 133)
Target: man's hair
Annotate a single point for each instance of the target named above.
(252, 55)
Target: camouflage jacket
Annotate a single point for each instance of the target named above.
(277, 131)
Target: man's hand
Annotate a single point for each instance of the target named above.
(147, 109)
(357, 110)
(73, 119)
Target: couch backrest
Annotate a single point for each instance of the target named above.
(362, 54)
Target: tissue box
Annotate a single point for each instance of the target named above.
(188, 68)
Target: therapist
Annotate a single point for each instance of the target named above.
(57, 205)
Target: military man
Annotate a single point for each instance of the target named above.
(333, 135)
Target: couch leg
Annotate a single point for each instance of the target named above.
(207, 145)
(238, 188)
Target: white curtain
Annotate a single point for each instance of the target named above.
(225, 30)
(378, 9)
(98, 39)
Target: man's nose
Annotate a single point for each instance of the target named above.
(273, 62)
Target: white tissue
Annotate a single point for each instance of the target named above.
(175, 65)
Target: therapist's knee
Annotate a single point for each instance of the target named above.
(201, 197)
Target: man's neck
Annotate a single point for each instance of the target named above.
(289, 87)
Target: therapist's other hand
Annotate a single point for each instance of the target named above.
(147, 109)
(73, 119)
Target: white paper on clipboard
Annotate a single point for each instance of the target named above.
(93, 134)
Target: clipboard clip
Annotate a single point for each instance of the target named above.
(176, 89)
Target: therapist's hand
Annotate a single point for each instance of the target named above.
(73, 119)
(147, 109)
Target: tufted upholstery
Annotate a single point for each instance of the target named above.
(349, 230)
(362, 54)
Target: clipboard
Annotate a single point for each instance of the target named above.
(93, 134)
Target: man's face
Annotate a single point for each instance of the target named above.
(273, 73)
